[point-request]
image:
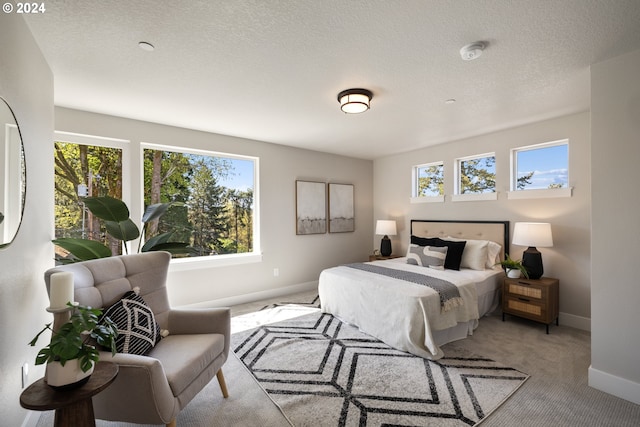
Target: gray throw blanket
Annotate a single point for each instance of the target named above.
(448, 292)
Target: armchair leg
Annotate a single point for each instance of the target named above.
(223, 384)
(172, 423)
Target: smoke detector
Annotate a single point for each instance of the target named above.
(472, 51)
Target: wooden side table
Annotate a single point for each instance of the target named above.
(534, 299)
(74, 408)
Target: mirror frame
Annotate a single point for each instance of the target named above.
(11, 236)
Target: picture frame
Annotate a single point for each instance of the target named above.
(341, 208)
(311, 207)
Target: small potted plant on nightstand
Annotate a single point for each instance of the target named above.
(514, 268)
(72, 353)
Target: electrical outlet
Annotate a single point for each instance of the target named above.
(25, 374)
(276, 272)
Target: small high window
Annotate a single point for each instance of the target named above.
(476, 174)
(541, 166)
(428, 180)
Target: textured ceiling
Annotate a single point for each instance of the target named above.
(271, 70)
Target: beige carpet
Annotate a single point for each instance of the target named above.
(556, 394)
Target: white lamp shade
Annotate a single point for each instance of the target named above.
(536, 234)
(386, 227)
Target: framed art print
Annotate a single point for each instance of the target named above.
(341, 209)
(311, 207)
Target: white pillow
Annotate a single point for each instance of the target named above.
(478, 254)
(493, 252)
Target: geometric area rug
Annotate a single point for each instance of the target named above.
(324, 372)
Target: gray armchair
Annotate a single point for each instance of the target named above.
(153, 389)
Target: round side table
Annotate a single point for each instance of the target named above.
(74, 408)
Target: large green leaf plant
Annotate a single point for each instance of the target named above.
(115, 215)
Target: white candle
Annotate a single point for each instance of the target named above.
(61, 289)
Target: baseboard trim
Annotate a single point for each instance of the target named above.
(255, 296)
(578, 322)
(616, 386)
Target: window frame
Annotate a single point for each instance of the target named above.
(415, 197)
(536, 193)
(464, 197)
(184, 264)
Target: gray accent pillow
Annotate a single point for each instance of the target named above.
(427, 256)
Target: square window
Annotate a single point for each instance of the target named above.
(476, 175)
(540, 167)
(428, 180)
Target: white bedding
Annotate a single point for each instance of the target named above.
(405, 315)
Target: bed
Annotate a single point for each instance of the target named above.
(387, 299)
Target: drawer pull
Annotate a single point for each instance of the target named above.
(523, 283)
(523, 299)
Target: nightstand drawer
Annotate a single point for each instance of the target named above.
(524, 289)
(526, 308)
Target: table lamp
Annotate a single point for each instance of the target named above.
(532, 234)
(387, 228)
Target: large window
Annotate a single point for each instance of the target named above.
(476, 175)
(542, 166)
(212, 196)
(428, 180)
(81, 170)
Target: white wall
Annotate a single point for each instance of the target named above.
(568, 259)
(615, 288)
(26, 83)
(298, 258)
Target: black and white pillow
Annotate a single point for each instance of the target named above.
(138, 331)
(427, 256)
(454, 249)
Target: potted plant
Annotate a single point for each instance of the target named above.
(117, 223)
(514, 268)
(72, 353)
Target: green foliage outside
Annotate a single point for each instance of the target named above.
(478, 175)
(211, 218)
(431, 180)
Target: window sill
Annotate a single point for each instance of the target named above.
(427, 199)
(546, 193)
(474, 197)
(186, 264)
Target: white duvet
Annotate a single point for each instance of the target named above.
(403, 315)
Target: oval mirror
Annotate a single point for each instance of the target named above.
(13, 182)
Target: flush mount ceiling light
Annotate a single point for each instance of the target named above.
(472, 51)
(353, 101)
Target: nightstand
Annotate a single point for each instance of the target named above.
(380, 257)
(533, 299)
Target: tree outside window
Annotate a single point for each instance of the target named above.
(212, 196)
(542, 166)
(477, 175)
(429, 180)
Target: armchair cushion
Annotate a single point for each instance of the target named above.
(184, 357)
(138, 331)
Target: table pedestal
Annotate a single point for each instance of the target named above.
(74, 408)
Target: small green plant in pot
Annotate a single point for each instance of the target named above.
(73, 345)
(513, 267)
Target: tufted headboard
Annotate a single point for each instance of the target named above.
(496, 231)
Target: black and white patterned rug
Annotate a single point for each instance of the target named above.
(323, 372)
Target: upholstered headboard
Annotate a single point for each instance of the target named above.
(496, 231)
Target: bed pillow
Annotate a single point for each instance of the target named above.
(427, 256)
(454, 249)
(138, 331)
(474, 252)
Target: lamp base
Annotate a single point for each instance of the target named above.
(385, 246)
(532, 261)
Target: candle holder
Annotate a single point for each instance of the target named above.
(61, 315)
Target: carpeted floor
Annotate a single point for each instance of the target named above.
(556, 394)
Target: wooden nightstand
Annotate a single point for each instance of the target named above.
(380, 257)
(532, 299)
